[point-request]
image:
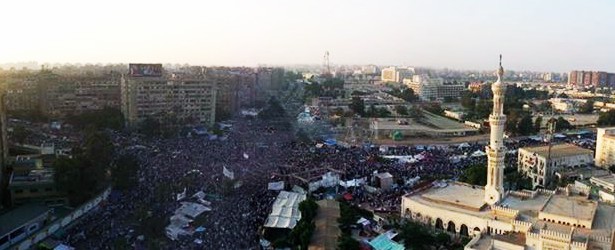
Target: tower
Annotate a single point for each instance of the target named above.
(326, 67)
(494, 189)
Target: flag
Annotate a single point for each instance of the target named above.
(228, 173)
(181, 195)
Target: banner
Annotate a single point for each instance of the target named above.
(279, 185)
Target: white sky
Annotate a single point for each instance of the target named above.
(557, 35)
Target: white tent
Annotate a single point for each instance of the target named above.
(191, 209)
(478, 153)
(285, 212)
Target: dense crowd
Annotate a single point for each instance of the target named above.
(257, 154)
(251, 150)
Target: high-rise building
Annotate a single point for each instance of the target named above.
(58, 95)
(605, 147)
(582, 79)
(148, 91)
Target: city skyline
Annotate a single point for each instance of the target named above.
(545, 36)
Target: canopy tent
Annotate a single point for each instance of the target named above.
(559, 136)
(353, 182)
(285, 212)
(478, 153)
(331, 142)
(191, 209)
(383, 242)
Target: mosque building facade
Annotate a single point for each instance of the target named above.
(565, 218)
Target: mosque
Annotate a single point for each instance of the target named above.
(495, 218)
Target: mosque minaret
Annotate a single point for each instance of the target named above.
(494, 189)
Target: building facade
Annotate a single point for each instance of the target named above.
(540, 163)
(394, 74)
(58, 96)
(431, 89)
(582, 79)
(147, 91)
(564, 218)
(605, 147)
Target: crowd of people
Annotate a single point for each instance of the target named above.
(256, 153)
(251, 150)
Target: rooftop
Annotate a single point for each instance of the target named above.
(458, 194)
(382, 242)
(285, 212)
(571, 207)
(512, 238)
(327, 229)
(559, 150)
(606, 178)
(35, 176)
(19, 216)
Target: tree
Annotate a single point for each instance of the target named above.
(562, 124)
(416, 113)
(587, 107)
(434, 108)
(111, 118)
(483, 108)
(150, 127)
(401, 110)
(449, 99)
(537, 124)
(443, 238)
(98, 148)
(357, 105)
(274, 110)
(124, 172)
(346, 242)
(20, 134)
(415, 236)
(607, 118)
(406, 94)
(475, 175)
(467, 100)
(525, 126)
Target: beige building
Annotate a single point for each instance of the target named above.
(431, 89)
(535, 163)
(58, 95)
(393, 74)
(169, 97)
(563, 219)
(605, 147)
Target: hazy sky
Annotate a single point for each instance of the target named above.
(556, 35)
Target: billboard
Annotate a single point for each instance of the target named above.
(138, 69)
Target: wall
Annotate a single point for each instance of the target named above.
(56, 225)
